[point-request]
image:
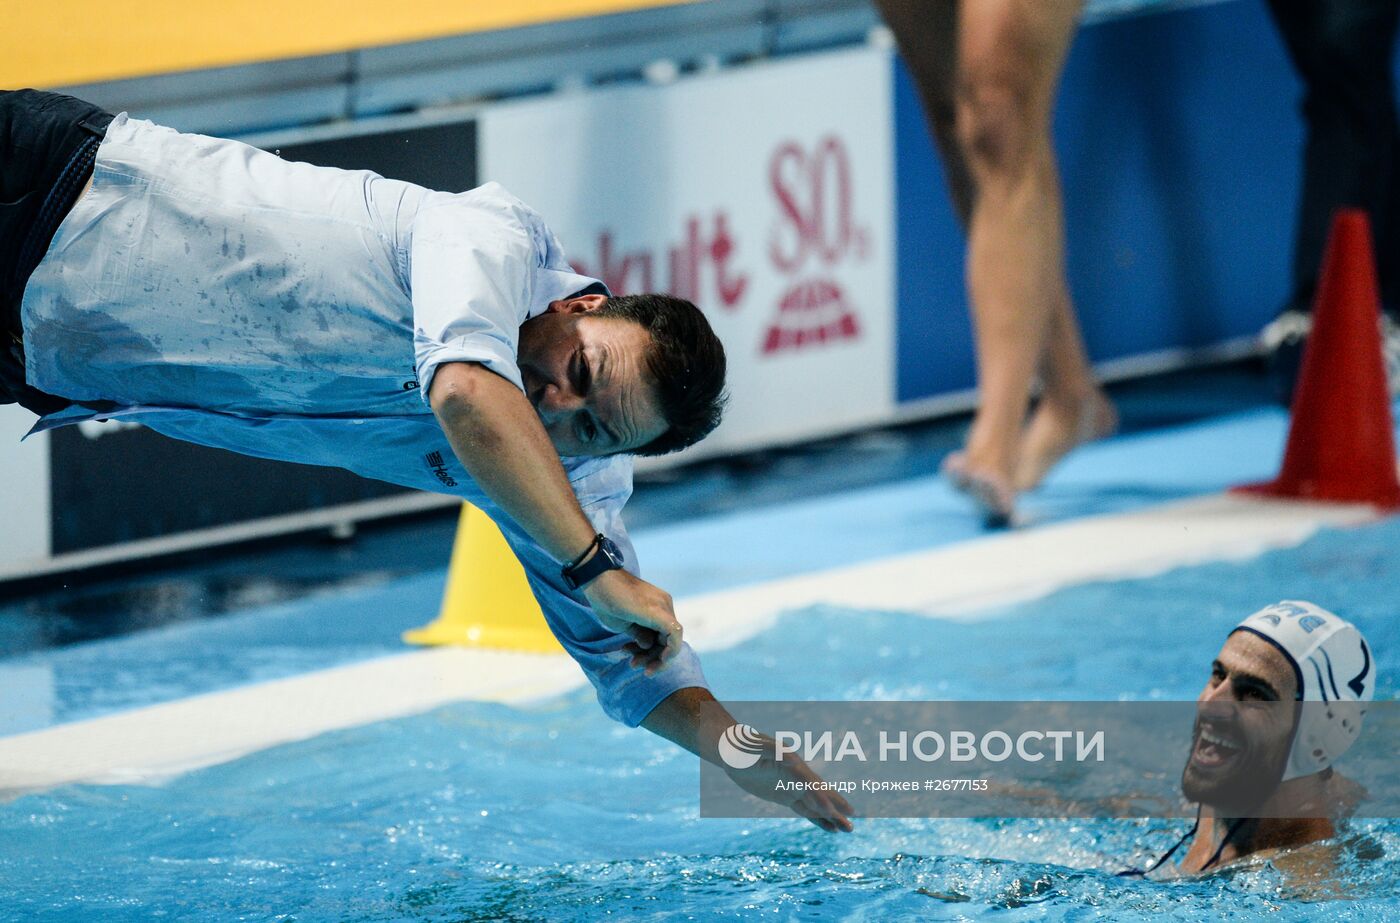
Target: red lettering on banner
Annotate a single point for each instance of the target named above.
(730, 288)
(816, 212)
(621, 272)
(697, 258)
(814, 236)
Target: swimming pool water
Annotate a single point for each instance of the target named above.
(488, 812)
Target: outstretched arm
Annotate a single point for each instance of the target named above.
(500, 441)
(694, 719)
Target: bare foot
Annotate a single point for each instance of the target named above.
(991, 492)
(1058, 427)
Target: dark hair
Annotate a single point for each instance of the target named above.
(686, 365)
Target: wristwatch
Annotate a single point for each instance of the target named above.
(584, 569)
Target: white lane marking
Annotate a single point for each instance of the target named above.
(151, 743)
(959, 581)
(148, 744)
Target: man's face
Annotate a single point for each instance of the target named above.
(1244, 727)
(586, 376)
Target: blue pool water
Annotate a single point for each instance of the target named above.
(488, 812)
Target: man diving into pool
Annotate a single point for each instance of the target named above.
(218, 294)
(1260, 766)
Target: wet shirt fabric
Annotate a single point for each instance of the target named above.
(221, 295)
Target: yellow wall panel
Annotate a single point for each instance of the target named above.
(84, 41)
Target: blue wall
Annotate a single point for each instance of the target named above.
(1179, 141)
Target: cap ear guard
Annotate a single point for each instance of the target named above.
(1322, 739)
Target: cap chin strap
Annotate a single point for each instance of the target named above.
(1214, 857)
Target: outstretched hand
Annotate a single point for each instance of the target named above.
(693, 718)
(626, 603)
(792, 783)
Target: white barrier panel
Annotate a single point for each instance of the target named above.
(24, 498)
(764, 194)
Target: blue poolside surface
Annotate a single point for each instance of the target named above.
(480, 811)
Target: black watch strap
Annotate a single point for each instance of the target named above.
(600, 556)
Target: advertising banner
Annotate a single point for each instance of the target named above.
(763, 194)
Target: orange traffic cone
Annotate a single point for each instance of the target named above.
(1341, 442)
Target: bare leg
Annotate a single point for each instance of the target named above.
(987, 72)
(927, 34)
(1073, 409)
(1011, 53)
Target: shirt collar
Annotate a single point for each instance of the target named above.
(556, 284)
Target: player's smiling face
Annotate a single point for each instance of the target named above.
(586, 377)
(1244, 726)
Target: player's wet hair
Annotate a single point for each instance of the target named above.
(686, 365)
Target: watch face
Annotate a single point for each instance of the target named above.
(608, 557)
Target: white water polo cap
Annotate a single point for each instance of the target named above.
(1333, 665)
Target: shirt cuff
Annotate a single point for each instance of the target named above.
(483, 350)
(628, 695)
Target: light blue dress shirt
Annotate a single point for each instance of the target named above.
(221, 295)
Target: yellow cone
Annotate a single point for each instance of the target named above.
(487, 602)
